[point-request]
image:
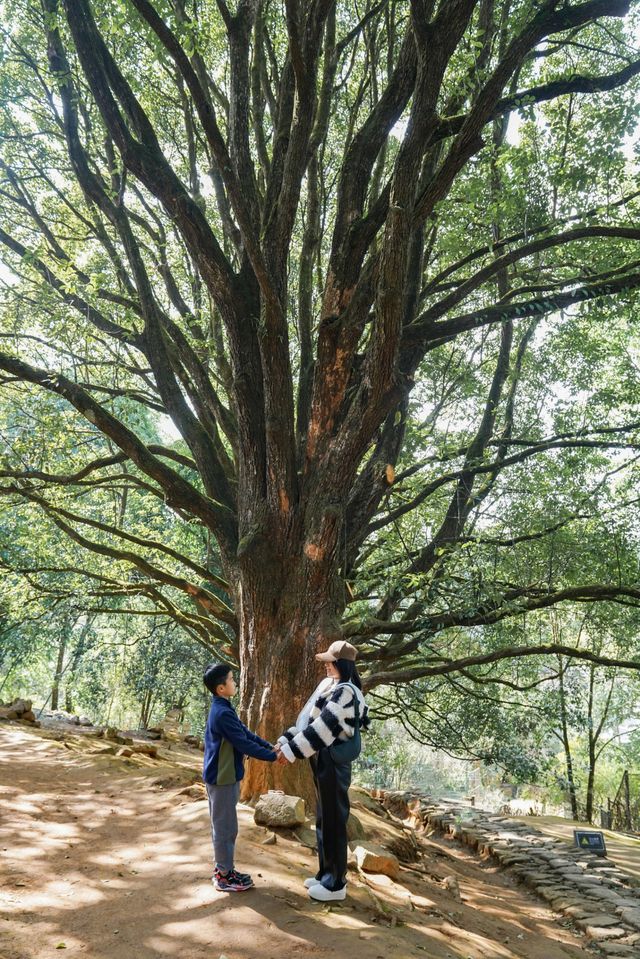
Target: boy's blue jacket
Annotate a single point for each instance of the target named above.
(223, 724)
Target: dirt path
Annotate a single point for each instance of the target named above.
(98, 862)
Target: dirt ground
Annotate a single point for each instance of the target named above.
(100, 861)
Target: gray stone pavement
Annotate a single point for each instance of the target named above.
(598, 896)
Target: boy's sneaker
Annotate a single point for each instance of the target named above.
(242, 877)
(231, 881)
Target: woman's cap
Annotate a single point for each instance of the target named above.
(338, 650)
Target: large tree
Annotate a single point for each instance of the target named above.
(302, 233)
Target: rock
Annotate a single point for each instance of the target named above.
(359, 795)
(196, 791)
(373, 858)
(577, 912)
(631, 916)
(598, 933)
(270, 839)
(379, 880)
(277, 809)
(125, 751)
(21, 705)
(307, 837)
(114, 736)
(154, 732)
(18, 709)
(355, 829)
(450, 883)
(193, 741)
(617, 949)
(84, 721)
(601, 919)
(146, 749)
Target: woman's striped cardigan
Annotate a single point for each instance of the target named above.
(328, 716)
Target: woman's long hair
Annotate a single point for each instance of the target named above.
(348, 672)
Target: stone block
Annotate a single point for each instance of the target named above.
(630, 916)
(373, 858)
(600, 933)
(277, 809)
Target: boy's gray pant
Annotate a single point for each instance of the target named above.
(224, 822)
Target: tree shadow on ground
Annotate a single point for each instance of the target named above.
(98, 862)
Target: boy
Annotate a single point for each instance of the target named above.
(226, 742)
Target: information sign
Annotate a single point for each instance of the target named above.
(590, 840)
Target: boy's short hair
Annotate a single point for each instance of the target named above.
(215, 675)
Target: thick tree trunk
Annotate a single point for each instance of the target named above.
(280, 632)
(289, 597)
(273, 689)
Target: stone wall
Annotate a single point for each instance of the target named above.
(601, 899)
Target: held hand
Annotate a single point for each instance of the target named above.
(278, 748)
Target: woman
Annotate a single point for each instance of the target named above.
(329, 717)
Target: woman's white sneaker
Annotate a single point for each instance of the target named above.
(311, 881)
(322, 894)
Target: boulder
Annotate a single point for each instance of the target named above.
(84, 721)
(277, 809)
(373, 858)
(21, 705)
(359, 795)
(355, 829)
(307, 836)
(18, 709)
(193, 741)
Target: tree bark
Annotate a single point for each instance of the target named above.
(55, 689)
(573, 798)
(279, 636)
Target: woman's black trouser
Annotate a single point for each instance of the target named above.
(332, 783)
